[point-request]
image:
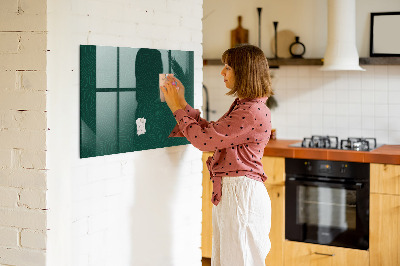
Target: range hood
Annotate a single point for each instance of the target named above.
(341, 51)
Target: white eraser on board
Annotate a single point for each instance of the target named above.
(141, 126)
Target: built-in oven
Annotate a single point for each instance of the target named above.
(327, 202)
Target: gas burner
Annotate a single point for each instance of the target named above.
(332, 142)
(358, 144)
(327, 142)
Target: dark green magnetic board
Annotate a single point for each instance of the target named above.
(119, 85)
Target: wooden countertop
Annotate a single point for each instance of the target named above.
(389, 154)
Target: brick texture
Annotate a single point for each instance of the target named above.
(33, 199)
(8, 197)
(9, 237)
(41, 47)
(23, 100)
(10, 42)
(23, 178)
(23, 218)
(23, 126)
(22, 139)
(33, 239)
(30, 53)
(17, 256)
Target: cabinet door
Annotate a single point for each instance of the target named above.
(274, 168)
(304, 254)
(206, 232)
(277, 233)
(385, 178)
(384, 230)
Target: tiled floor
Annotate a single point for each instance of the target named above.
(206, 261)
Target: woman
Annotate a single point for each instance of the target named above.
(242, 208)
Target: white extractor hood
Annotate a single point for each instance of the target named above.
(341, 51)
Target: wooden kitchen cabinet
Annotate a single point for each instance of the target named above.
(274, 168)
(385, 178)
(277, 233)
(385, 215)
(305, 254)
(384, 236)
(206, 225)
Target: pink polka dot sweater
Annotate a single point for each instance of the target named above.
(238, 139)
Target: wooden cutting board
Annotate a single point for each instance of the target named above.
(239, 35)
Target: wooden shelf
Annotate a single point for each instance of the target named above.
(274, 63)
(380, 61)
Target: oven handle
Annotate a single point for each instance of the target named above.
(357, 185)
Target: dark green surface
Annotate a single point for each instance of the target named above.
(119, 85)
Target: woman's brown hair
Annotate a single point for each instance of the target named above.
(250, 66)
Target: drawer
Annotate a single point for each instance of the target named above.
(298, 253)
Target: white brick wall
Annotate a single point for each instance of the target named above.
(138, 208)
(8, 197)
(33, 239)
(11, 256)
(23, 218)
(9, 237)
(23, 178)
(23, 132)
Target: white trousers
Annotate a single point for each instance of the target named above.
(241, 223)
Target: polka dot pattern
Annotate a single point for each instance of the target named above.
(238, 139)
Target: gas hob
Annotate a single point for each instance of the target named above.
(332, 142)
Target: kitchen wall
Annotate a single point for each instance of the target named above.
(343, 103)
(138, 208)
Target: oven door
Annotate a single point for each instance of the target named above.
(327, 213)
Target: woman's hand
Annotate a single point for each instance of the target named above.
(181, 90)
(171, 94)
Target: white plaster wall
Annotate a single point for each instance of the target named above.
(306, 18)
(311, 102)
(140, 208)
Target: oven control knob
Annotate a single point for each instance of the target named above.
(308, 166)
(343, 168)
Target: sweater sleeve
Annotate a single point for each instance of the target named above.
(193, 113)
(229, 131)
